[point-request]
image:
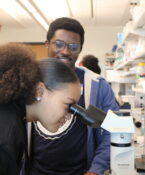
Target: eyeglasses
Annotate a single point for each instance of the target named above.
(60, 45)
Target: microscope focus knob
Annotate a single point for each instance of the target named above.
(138, 124)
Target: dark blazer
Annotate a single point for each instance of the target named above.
(12, 138)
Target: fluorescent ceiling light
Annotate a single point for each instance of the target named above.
(33, 12)
(13, 9)
(52, 9)
(41, 21)
(28, 5)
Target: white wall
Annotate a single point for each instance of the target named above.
(98, 40)
(23, 35)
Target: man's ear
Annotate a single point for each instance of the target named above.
(47, 43)
(40, 88)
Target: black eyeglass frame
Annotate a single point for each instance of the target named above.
(67, 45)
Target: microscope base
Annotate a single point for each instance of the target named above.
(135, 173)
(139, 167)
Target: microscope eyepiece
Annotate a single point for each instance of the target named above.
(91, 116)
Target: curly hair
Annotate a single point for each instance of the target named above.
(91, 62)
(67, 24)
(19, 73)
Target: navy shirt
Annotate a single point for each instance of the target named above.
(63, 153)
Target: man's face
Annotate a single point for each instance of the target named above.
(65, 45)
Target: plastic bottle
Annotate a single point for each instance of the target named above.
(140, 72)
(120, 48)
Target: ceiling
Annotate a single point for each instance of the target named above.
(15, 14)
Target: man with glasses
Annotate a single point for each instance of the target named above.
(74, 149)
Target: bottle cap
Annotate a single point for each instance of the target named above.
(141, 64)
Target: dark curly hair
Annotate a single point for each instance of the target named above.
(67, 24)
(19, 73)
(91, 62)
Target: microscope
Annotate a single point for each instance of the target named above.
(121, 129)
(122, 150)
